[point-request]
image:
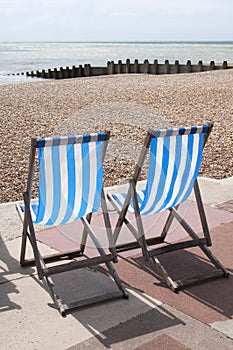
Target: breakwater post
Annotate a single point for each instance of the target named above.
(128, 68)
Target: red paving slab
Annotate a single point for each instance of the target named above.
(208, 302)
(228, 206)
(162, 342)
(67, 236)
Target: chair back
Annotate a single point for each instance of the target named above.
(175, 159)
(70, 177)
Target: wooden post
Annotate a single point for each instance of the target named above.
(146, 67)
(43, 74)
(200, 66)
(156, 67)
(27, 74)
(55, 73)
(32, 74)
(189, 67)
(167, 67)
(177, 66)
(61, 73)
(80, 71)
(67, 73)
(212, 65)
(87, 70)
(127, 67)
(73, 72)
(224, 65)
(119, 67)
(37, 74)
(111, 67)
(136, 67)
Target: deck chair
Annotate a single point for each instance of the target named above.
(70, 188)
(175, 159)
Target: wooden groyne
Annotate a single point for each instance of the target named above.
(126, 68)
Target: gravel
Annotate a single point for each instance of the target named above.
(125, 104)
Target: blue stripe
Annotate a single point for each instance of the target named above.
(71, 183)
(140, 200)
(40, 143)
(42, 186)
(169, 132)
(102, 136)
(115, 196)
(56, 141)
(56, 185)
(85, 179)
(205, 129)
(198, 164)
(99, 178)
(72, 139)
(182, 131)
(151, 171)
(186, 170)
(165, 160)
(193, 130)
(177, 160)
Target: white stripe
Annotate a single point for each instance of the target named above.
(172, 150)
(78, 180)
(193, 164)
(158, 159)
(48, 165)
(93, 174)
(63, 185)
(141, 195)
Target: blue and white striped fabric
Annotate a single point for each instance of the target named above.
(175, 159)
(70, 178)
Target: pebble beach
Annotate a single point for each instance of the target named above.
(124, 104)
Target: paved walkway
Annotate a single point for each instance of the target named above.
(200, 317)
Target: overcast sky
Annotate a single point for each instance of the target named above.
(118, 20)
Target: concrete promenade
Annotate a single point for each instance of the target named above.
(200, 317)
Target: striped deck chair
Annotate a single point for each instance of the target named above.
(175, 159)
(70, 188)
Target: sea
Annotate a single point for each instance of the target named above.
(20, 57)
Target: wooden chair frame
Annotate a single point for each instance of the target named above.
(145, 243)
(44, 271)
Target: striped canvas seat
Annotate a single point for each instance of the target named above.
(70, 178)
(70, 188)
(175, 159)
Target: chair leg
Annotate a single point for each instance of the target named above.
(103, 254)
(202, 213)
(84, 235)
(173, 285)
(168, 224)
(55, 296)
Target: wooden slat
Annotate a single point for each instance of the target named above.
(199, 279)
(177, 246)
(55, 257)
(94, 300)
(135, 245)
(52, 270)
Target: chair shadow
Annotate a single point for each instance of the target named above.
(147, 315)
(146, 323)
(7, 287)
(183, 264)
